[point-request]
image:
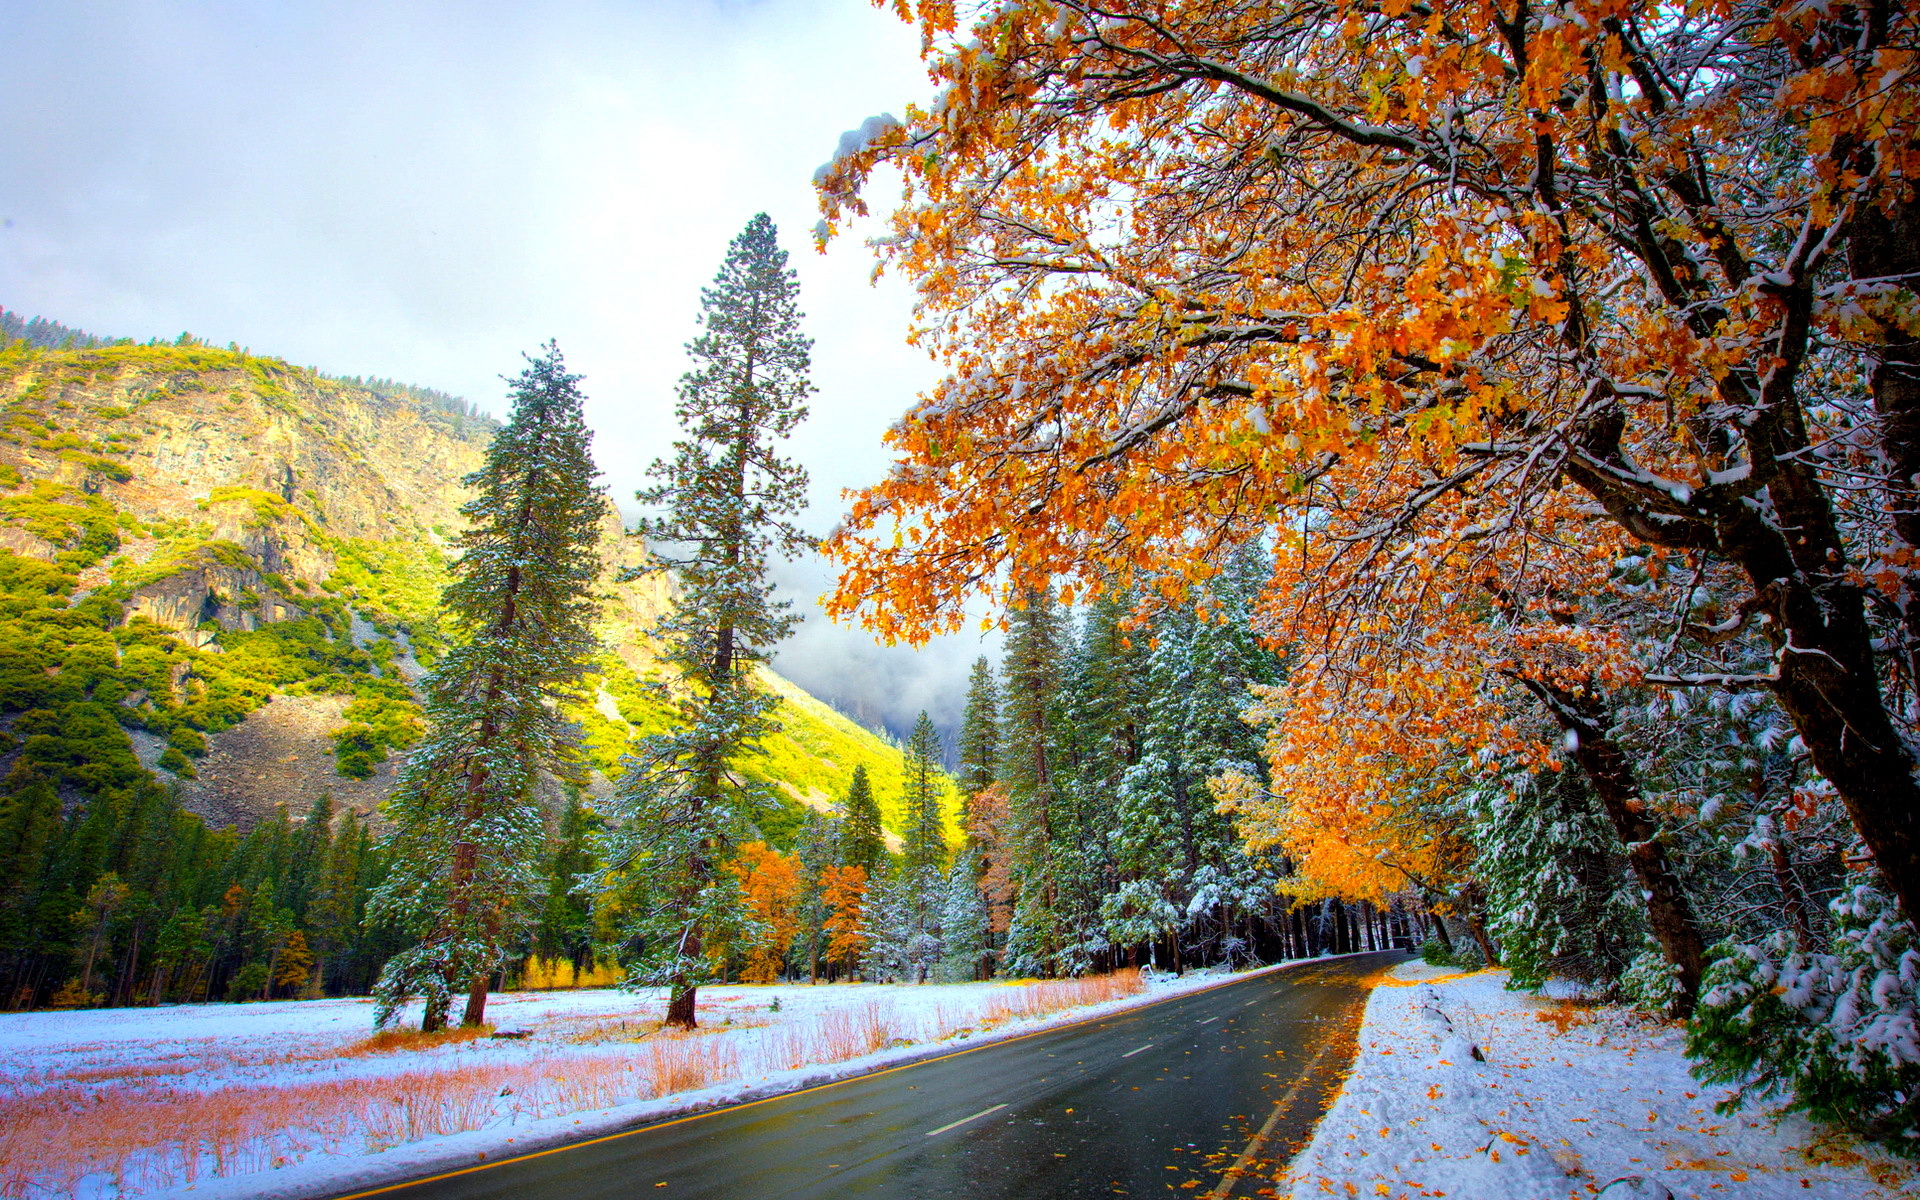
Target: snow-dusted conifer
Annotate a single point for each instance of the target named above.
(963, 922)
(727, 499)
(1032, 680)
(923, 859)
(468, 830)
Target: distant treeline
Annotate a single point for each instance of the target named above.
(43, 334)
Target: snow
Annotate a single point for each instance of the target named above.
(283, 1051)
(1570, 1101)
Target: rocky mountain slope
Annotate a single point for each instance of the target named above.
(222, 572)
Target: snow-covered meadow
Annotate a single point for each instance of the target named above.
(1467, 1090)
(299, 1098)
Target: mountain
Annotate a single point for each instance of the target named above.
(221, 572)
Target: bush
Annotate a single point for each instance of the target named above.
(1837, 1033)
(1650, 981)
(1434, 953)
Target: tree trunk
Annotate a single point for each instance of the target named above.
(476, 1012)
(1882, 245)
(1669, 912)
(434, 1018)
(1440, 931)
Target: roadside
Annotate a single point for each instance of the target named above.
(294, 1099)
(1467, 1090)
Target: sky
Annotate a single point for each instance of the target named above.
(421, 191)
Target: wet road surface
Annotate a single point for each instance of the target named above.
(1203, 1095)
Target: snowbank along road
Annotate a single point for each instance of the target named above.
(1203, 1095)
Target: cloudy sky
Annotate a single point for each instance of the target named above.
(423, 190)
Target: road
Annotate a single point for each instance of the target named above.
(1203, 1095)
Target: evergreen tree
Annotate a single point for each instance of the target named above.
(861, 842)
(816, 849)
(1032, 682)
(963, 921)
(922, 898)
(727, 498)
(980, 730)
(468, 829)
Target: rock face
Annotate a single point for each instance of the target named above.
(282, 754)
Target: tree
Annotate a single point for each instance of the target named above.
(1032, 672)
(468, 828)
(846, 893)
(770, 887)
(728, 499)
(921, 883)
(862, 844)
(1488, 282)
(980, 730)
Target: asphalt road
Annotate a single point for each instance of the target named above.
(1204, 1095)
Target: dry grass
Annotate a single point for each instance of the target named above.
(1052, 996)
(152, 1139)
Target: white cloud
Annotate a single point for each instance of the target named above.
(422, 191)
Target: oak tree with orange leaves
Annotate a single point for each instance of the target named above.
(1474, 298)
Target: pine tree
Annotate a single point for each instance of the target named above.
(566, 919)
(817, 849)
(1032, 682)
(468, 829)
(727, 498)
(980, 730)
(963, 922)
(861, 842)
(921, 891)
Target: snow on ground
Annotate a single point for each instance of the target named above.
(1467, 1090)
(295, 1099)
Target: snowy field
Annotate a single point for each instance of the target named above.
(1561, 1101)
(296, 1099)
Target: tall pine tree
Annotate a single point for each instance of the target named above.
(468, 830)
(1032, 672)
(980, 730)
(862, 844)
(727, 499)
(923, 859)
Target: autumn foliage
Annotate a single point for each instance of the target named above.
(770, 888)
(1571, 348)
(846, 897)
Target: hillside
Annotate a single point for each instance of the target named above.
(222, 572)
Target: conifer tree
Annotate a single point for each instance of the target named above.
(861, 842)
(921, 892)
(727, 499)
(963, 923)
(980, 730)
(1032, 681)
(468, 830)
(817, 850)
